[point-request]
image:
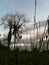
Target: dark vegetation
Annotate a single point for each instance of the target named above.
(17, 57)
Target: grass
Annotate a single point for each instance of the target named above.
(17, 57)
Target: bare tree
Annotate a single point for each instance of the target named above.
(16, 23)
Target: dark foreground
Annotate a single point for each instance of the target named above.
(16, 57)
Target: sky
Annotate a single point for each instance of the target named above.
(26, 7)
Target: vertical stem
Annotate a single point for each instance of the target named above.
(9, 37)
(14, 39)
(47, 42)
(35, 17)
(14, 32)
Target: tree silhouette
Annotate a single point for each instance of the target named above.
(16, 24)
(9, 34)
(16, 32)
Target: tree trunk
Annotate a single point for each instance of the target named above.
(9, 37)
(14, 40)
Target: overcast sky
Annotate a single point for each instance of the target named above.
(26, 7)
